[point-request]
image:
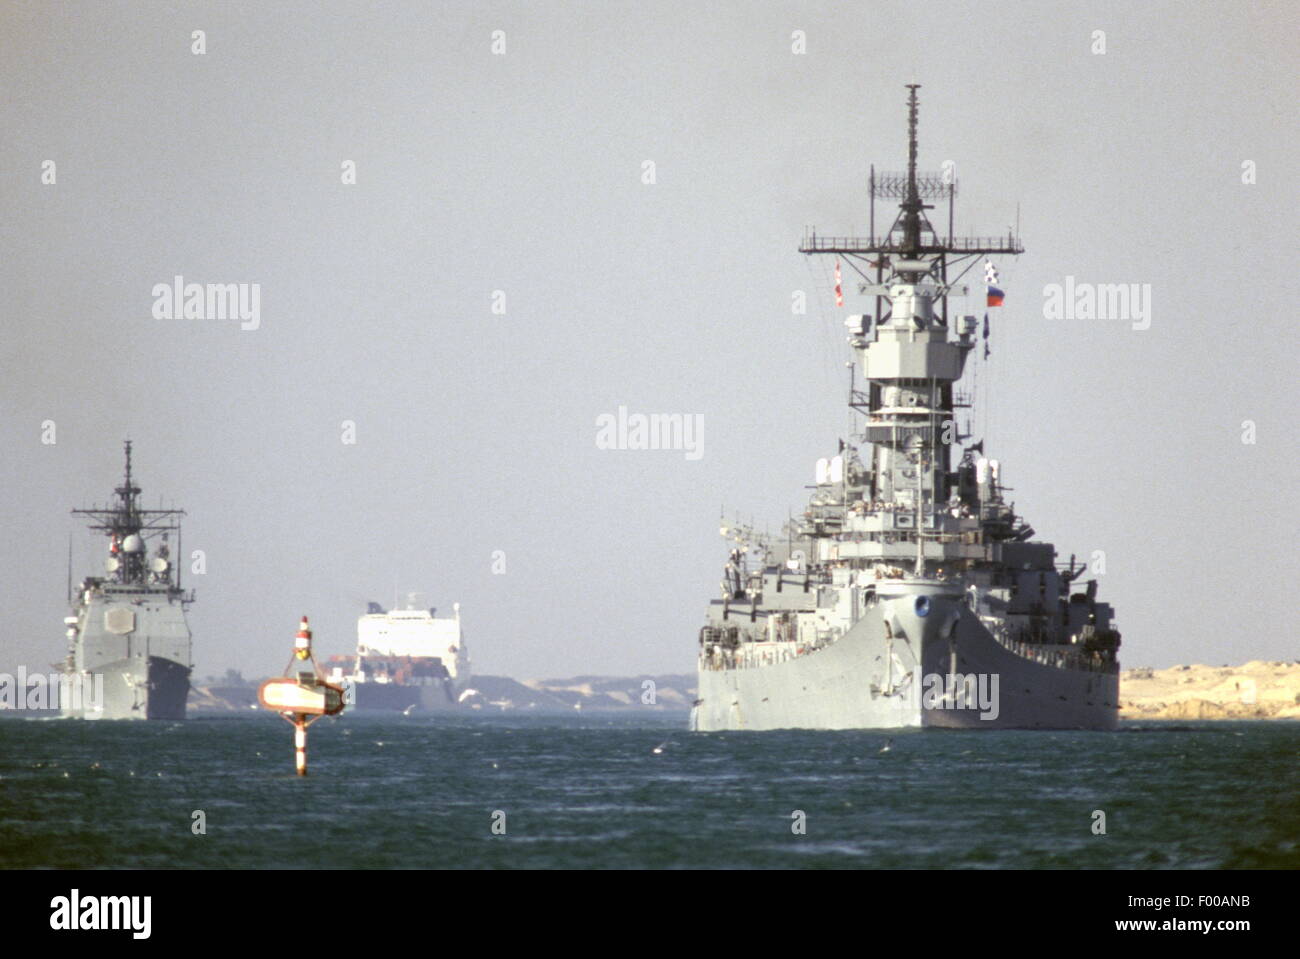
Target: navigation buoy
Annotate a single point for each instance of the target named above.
(301, 696)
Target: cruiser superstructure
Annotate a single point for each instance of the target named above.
(910, 593)
(127, 629)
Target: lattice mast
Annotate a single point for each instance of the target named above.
(129, 527)
(908, 359)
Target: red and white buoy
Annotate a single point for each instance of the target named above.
(302, 697)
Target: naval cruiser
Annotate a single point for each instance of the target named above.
(128, 641)
(910, 592)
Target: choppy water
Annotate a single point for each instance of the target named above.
(586, 792)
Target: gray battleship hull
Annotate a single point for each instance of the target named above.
(865, 681)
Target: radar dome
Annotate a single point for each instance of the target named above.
(133, 543)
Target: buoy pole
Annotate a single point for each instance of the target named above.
(302, 651)
(300, 744)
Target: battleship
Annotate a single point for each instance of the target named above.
(406, 660)
(909, 593)
(127, 630)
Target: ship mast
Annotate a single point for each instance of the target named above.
(912, 206)
(916, 249)
(910, 362)
(128, 527)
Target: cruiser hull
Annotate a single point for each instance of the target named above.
(155, 688)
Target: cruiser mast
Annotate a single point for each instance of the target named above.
(129, 526)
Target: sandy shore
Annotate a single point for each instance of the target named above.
(1254, 690)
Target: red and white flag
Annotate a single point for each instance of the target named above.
(839, 290)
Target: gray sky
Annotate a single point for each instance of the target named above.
(522, 172)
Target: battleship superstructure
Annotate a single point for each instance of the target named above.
(127, 629)
(910, 593)
(406, 659)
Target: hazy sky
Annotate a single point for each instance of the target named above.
(523, 172)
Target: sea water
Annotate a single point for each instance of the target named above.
(517, 790)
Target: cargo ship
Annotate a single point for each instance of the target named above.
(407, 660)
